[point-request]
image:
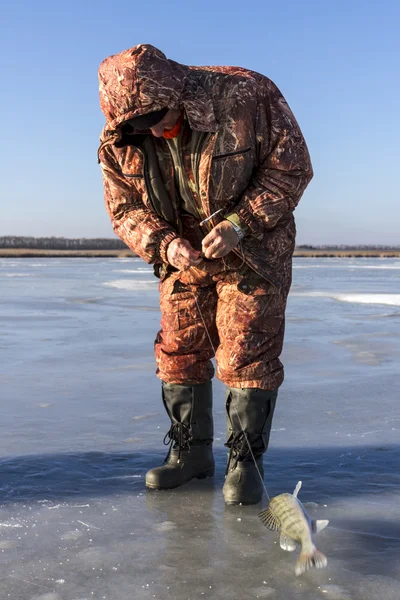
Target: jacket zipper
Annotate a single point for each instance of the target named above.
(148, 188)
(182, 174)
(218, 156)
(146, 178)
(202, 212)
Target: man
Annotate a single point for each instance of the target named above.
(203, 168)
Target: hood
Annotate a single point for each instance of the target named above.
(142, 79)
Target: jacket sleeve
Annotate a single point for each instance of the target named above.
(142, 230)
(284, 167)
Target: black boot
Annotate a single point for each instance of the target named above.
(251, 410)
(191, 434)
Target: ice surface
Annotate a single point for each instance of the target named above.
(136, 284)
(82, 421)
(391, 299)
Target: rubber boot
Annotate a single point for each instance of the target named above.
(190, 436)
(249, 420)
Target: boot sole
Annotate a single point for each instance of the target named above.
(238, 502)
(203, 475)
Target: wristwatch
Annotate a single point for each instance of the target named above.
(238, 225)
(239, 230)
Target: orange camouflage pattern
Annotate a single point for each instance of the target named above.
(251, 159)
(245, 324)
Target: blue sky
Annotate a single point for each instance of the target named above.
(337, 63)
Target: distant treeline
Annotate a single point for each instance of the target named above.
(60, 243)
(348, 247)
(56, 243)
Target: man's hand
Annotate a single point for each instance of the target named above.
(220, 241)
(182, 255)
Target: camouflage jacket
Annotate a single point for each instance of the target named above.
(251, 157)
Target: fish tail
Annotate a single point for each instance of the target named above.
(307, 560)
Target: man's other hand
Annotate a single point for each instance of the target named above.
(182, 255)
(220, 241)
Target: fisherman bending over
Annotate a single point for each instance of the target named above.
(181, 144)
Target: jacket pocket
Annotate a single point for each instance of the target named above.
(180, 307)
(262, 287)
(235, 153)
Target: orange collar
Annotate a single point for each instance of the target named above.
(175, 131)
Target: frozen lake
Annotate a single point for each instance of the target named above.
(82, 421)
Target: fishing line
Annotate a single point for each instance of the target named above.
(252, 455)
(237, 414)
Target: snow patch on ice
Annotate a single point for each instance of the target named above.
(50, 596)
(365, 354)
(358, 298)
(86, 300)
(391, 299)
(138, 270)
(130, 285)
(396, 267)
(165, 526)
(349, 266)
(6, 544)
(335, 592)
(145, 416)
(264, 592)
(72, 535)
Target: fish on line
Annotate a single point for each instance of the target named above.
(286, 514)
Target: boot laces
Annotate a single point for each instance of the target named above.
(238, 450)
(178, 436)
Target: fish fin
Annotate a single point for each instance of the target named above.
(319, 525)
(287, 543)
(310, 559)
(297, 489)
(268, 519)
